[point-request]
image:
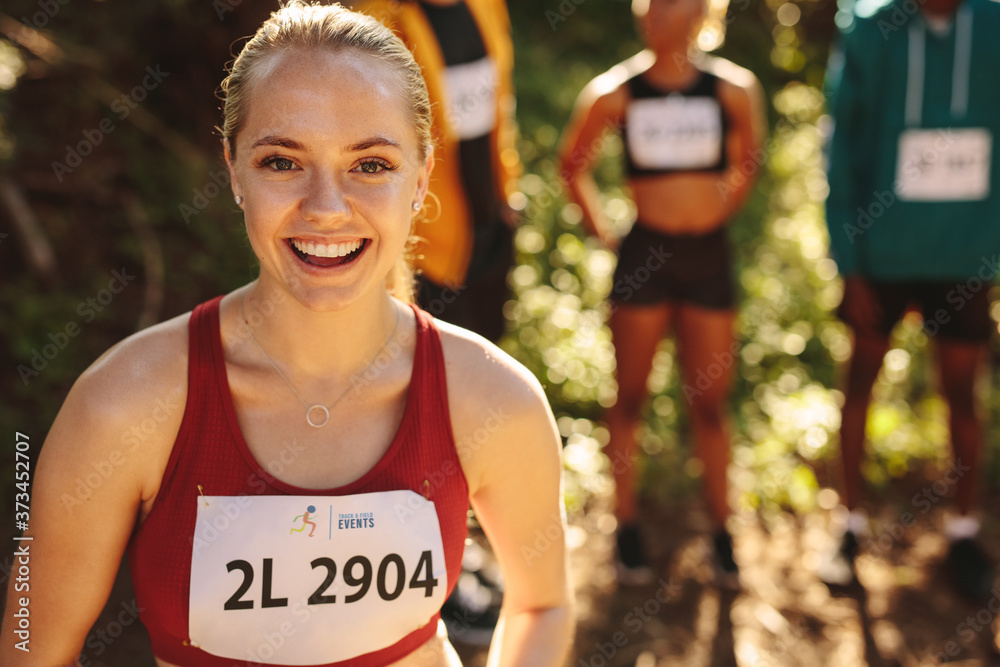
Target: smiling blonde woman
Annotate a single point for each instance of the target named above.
(308, 504)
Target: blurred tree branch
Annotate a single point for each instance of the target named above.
(37, 246)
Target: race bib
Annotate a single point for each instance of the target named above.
(674, 132)
(300, 580)
(472, 98)
(944, 165)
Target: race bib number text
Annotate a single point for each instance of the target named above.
(341, 576)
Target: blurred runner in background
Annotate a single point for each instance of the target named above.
(691, 125)
(913, 220)
(467, 57)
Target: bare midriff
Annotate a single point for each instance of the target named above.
(684, 203)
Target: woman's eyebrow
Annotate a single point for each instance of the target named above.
(283, 142)
(372, 142)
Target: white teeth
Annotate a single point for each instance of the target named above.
(324, 250)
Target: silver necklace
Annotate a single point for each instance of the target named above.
(315, 406)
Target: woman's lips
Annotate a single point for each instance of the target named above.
(327, 255)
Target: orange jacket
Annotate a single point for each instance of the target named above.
(446, 246)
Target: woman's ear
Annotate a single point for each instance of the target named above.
(424, 178)
(233, 181)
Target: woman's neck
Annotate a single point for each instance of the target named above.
(334, 344)
(672, 66)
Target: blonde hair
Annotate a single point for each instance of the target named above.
(304, 25)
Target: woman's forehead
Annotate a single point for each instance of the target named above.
(313, 90)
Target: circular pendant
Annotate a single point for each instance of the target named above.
(326, 415)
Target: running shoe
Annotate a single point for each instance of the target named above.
(727, 572)
(970, 569)
(836, 568)
(630, 557)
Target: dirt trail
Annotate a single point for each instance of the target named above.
(905, 612)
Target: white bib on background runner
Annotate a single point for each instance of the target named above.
(306, 580)
(674, 132)
(472, 98)
(944, 165)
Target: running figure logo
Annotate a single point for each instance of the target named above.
(306, 521)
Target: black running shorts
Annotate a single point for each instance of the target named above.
(953, 310)
(654, 268)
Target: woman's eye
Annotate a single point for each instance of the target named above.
(278, 163)
(374, 167)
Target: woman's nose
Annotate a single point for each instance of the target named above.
(325, 197)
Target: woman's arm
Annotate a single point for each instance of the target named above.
(599, 108)
(92, 478)
(743, 100)
(514, 478)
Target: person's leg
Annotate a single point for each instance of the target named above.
(635, 332)
(862, 371)
(961, 334)
(958, 365)
(969, 566)
(836, 566)
(708, 357)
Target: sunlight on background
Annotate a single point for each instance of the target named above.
(11, 65)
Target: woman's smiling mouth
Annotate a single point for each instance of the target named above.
(327, 255)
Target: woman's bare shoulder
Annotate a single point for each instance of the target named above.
(147, 363)
(481, 373)
(499, 411)
(730, 73)
(124, 411)
(130, 400)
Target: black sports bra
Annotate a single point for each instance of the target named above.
(668, 132)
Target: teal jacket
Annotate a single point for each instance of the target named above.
(874, 232)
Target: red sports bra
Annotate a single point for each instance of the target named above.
(210, 453)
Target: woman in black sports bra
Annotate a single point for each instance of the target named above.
(691, 125)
